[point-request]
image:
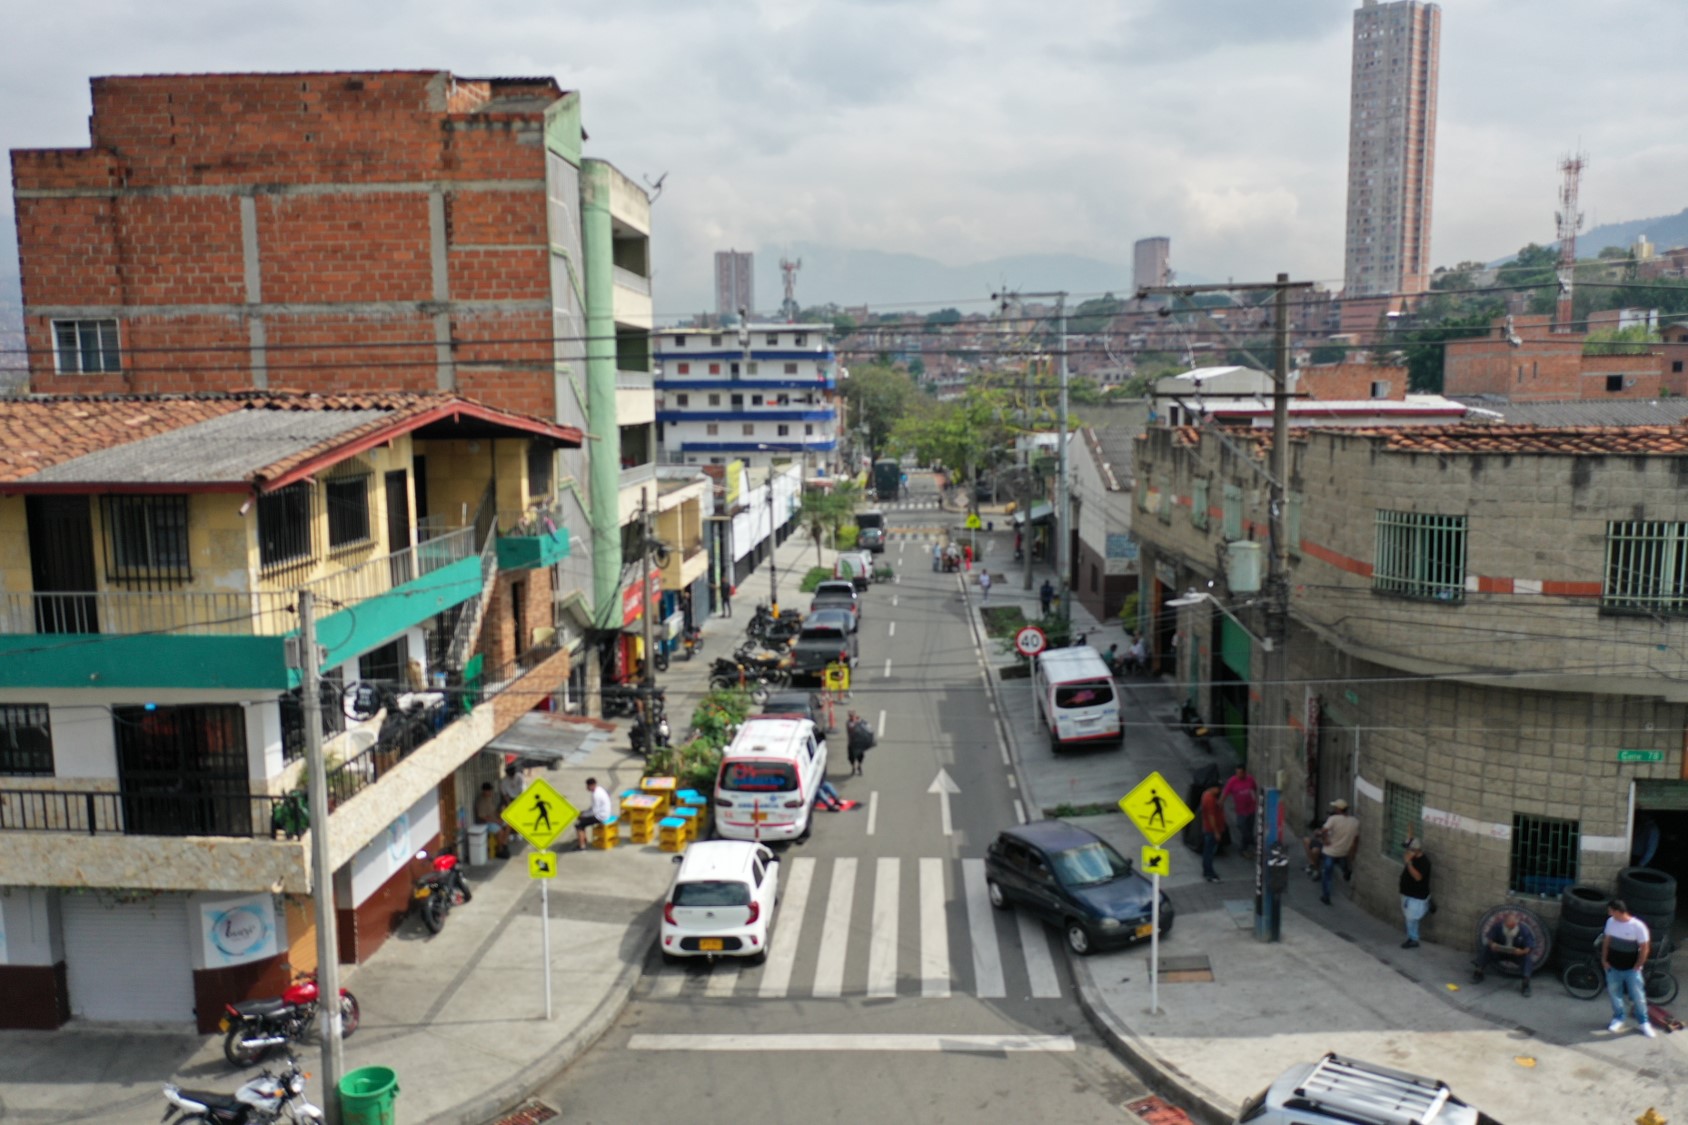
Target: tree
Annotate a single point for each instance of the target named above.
(916, 368)
(968, 434)
(827, 509)
(1092, 316)
(1637, 339)
(1328, 353)
(878, 395)
(943, 318)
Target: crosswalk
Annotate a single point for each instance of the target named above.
(931, 932)
(910, 505)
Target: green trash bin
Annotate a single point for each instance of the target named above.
(367, 1095)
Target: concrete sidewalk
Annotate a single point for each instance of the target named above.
(1337, 981)
(460, 1016)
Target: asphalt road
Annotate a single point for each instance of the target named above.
(893, 992)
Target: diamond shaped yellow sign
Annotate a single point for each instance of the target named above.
(1155, 809)
(540, 814)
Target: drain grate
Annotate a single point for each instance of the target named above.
(1192, 969)
(530, 1112)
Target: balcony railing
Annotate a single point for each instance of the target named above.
(97, 812)
(627, 279)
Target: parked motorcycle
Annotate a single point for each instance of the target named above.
(440, 889)
(641, 736)
(725, 674)
(691, 642)
(266, 1098)
(255, 1027)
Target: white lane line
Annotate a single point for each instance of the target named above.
(797, 875)
(961, 1044)
(882, 950)
(1019, 812)
(872, 811)
(881, 733)
(894, 601)
(723, 978)
(1040, 967)
(835, 929)
(887, 667)
(892, 631)
(896, 580)
(1003, 747)
(934, 931)
(1012, 783)
(987, 956)
(668, 983)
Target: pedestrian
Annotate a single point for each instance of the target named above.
(984, 585)
(1046, 595)
(601, 812)
(1213, 827)
(1510, 942)
(1139, 655)
(967, 556)
(1415, 889)
(1624, 948)
(1113, 660)
(858, 740)
(1240, 795)
(937, 557)
(1336, 842)
(827, 797)
(727, 593)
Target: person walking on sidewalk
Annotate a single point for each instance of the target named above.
(937, 557)
(1213, 827)
(1624, 948)
(1239, 793)
(1415, 889)
(984, 585)
(1510, 942)
(1046, 595)
(1336, 842)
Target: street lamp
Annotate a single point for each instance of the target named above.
(1197, 597)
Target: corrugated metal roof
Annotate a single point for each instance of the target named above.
(1604, 412)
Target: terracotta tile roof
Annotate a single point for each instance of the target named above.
(1551, 440)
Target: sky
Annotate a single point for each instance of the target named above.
(968, 130)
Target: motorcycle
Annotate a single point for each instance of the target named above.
(642, 739)
(691, 641)
(440, 889)
(266, 1098)
(254, 1027)
(725, 674)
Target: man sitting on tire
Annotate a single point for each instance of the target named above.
(1508, 942)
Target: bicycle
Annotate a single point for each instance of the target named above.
(1585, 979)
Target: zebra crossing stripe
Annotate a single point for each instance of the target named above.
(832, 1042)
(987, 955)
(668, 984)
(934, 931)
(723, 978)
(788, 928)
(835, 932)
(882, 952)
(1040, 967)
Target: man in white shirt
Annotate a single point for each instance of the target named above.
(601, 811)
(1623, 954)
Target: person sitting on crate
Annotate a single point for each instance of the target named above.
(1507, 942)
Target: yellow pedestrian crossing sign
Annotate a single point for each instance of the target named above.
(1155, 809)
(540, 814)
(542, 865)
(1156, 861)
(974, 523)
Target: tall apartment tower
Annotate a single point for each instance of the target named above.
(735, 287)
(1149, 259)
(1391, 147)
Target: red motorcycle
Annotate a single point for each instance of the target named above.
(440, 889)
(255, 1027)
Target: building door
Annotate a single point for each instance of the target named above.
(183, 771)
(1336, 766)
(398, 527)
(128, 961)
(1660, 836)
(61, 558)
(419, 466)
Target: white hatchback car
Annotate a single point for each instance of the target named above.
(722, 901)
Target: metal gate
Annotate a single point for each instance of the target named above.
(128, 961)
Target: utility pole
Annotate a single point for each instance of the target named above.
(649, 668)
(773, 575)
(322, 870)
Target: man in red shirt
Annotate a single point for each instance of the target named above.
(1239, 793)
(1213, 827)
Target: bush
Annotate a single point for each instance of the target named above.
(816, 575)
(847, 537)
(1128, 610)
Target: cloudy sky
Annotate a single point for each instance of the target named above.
(967, 130)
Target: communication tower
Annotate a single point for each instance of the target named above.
(788, 274)
(1570, 221)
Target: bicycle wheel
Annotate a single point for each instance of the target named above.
(1661, 987)
(1583, 979)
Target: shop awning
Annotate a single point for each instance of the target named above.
(1039, 513)
(542, 738)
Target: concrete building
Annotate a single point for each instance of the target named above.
(1105, 554)
(768, 394)
(1391, 147)
(735, 282)
(1482, 623)
(154, 850)
(1150, 262)
(1348, 394)
(1522, 359)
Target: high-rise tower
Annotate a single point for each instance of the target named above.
(735, 286)
(1149, 262)
(1391, 147)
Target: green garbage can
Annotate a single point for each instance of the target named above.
(367, 1095)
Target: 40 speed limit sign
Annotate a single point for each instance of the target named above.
(1030, 641)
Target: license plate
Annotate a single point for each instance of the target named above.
(223, 1024)
(758, 816)
(1145, 929)
(421, 892)
(709, 944)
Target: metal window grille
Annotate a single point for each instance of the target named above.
(1420, 555)
(1403, 813)
(86, 347)
(347, 498)
(26, 740)
(183, 770)
(1646, 567)
(1544, 855)
(293, 715)
(146, 539)
(284, 526)
(1198, 504)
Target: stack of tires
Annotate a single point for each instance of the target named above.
(1582, 921)
(1650, 895)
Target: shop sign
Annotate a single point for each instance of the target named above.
(633, 605)
(236, 931)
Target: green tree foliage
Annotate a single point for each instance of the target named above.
(1092, 316)
(917, 368)
(1637, 339)
(969, 434)
(1328, 353)
(827, 510)
(877, 396)
(943, 318)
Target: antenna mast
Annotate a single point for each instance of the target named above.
(788, 274)
(1570, 221)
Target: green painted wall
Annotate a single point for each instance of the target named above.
(526, 552)
(563, 128)
(106, 661)
(352, 631)
(604, 472)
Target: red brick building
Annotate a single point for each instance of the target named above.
(1528, 361)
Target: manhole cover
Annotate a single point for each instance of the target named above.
(1192, 969)
(530, 1112)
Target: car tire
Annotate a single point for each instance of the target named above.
(673, 959)
(1078, 938)
(994, 890)
(760, 957)
(1166, 925)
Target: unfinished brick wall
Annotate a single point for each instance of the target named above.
(1347, 381)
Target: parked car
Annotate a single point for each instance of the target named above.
(802, 704)
(827, 635)
(837, 593)
(1343, 1090)
(854, 566)
(871, 539)
(1073, 879)
(721, 903)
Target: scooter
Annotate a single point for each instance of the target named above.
(255, 1027)
(641, 738)
(266, 1098)
(691, 642)
(440, 889)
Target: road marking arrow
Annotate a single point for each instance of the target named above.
(945, 788)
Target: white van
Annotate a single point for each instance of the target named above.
(769, 776)
(1077, 698)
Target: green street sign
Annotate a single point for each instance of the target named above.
(1641, 755)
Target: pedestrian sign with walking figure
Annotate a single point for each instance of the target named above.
(540, 814)
(1155, 809)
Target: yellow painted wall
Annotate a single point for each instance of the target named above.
(14, 546)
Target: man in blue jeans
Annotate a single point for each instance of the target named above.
(1623, 954)
(1507, 942)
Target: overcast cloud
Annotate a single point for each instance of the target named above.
(966, 130)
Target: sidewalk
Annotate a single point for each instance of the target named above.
(1337, 981)
(459, 1015)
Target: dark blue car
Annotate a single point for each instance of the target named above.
(1075, 880)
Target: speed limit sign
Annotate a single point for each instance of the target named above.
(1030, 641)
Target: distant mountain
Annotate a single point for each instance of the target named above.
(1663, 231)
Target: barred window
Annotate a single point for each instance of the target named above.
(1646, 567)
(284, 525)
(1403, 816)
(86, 347)
(146, 538)
(348, 509)
(26, 740)
(1420, 556)
(1544, 855)
(1198, 504)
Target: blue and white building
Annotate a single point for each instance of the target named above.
(773, 397)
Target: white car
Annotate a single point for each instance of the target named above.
(722, 901)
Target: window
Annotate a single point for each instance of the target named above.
(711, 429)
(1198, 504)
(1676, 366)
(791, 369)
(146, 538)
(714, 400)
(1646, 566)
(782, 400)
(682, 369)
(1231, 509)
(749, 429)
(183, 770)
(679, 341)
(1420, 556)
(26, 740)
(682, 400)
(715, 369)
(293, 716)
(737, 402)
(756, 400)
(715, 340)
(800, 339)
(539, 459)
(284, 525)
(772, 339)
(1544, 855)
(783, 430)
(1614, 383)
(86, 347)
(348, 509)
(1403, 817)
(808, 429)
(1380, 388)
(752, 367)
(733, 370)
